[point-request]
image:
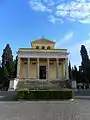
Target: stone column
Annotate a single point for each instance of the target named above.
(28, 68)
(57, 76)
(66, 68)
(37, 68)
(18, 68)
(48, 68)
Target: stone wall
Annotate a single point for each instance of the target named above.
(44, 84)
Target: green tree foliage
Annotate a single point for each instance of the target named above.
(84, 57)
(7, 60)
(85, 64)
(75, 74)
(1, 75)
(15, 68)
(5, 78)
(70, 71)
(87, 74)
(7, 66)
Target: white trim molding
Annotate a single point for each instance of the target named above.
(42, 55)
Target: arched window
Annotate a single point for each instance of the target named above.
(37, 47)
(48, 47)
(43, 47)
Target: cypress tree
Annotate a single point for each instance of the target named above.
(70, 71)
(7, 65)
(84, 57)
(85, 63)
(15, 67)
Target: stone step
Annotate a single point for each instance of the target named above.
(35, 85)
(49, 84)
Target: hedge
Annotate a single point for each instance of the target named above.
(45, 94)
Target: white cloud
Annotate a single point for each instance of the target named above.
(54, 19)
(74, 10)
(38, 6)
(74, 49)
(49, 2)
(64, 40)
(79, 11)
(67, 37)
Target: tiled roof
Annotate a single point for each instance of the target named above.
(42, 40)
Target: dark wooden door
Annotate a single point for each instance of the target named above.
(42, 72)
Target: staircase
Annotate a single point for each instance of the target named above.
(35, 85)
(42, 84)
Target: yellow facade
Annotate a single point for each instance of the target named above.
(33, 69)
(44, 69)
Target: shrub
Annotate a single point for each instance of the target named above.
(45, 94)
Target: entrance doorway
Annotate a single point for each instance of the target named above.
(42, 72)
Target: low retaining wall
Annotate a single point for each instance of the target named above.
(13, 84)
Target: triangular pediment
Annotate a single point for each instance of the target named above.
(42, 40)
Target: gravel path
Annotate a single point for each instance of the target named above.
(78, 109)
(45, 110)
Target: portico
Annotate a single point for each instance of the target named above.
(42, 62)
(49, 64)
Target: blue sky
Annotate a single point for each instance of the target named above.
(65, 21)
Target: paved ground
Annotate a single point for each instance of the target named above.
(7, 96)
(78, 109)
(45, 110)
(38, 110)
(83, 92)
